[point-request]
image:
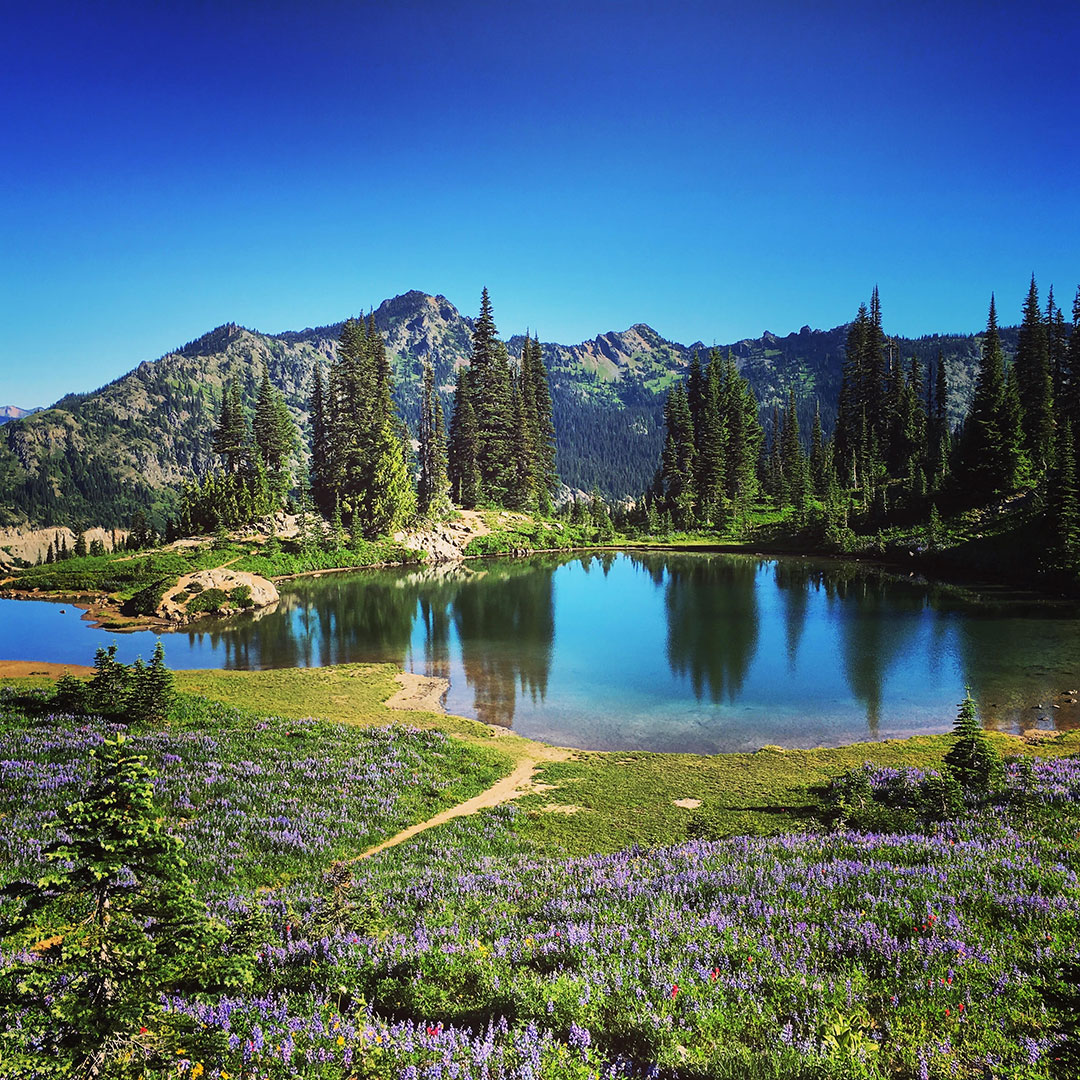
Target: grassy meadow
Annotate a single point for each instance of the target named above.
(635, 915)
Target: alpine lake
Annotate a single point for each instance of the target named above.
(665, 651)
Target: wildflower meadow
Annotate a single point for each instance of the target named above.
(938, 946)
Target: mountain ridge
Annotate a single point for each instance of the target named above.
(15, 412)
(93, 458)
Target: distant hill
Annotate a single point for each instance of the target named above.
(92, 459)
(13, 412)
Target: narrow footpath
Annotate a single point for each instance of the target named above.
(519, 782)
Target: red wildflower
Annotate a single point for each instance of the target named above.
(674, 991)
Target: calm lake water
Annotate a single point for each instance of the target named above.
(657, 651)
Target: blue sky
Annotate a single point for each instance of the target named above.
(712, 169)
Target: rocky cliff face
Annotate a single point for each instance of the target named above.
(26, 545)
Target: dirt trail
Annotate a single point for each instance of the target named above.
(519, 782)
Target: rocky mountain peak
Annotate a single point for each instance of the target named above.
(13, 412)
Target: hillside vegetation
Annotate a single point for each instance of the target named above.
(95, 458)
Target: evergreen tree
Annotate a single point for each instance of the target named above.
(520, 478)
(382, 403)
(1035, 384)
(80, 546)
(157, 693)
(1015, 463)
(463, 469)
(110, 687)
(794, 477)
(1057, 339)
(774, 465)
(817, 455)
(389, 501)
(973, 759)
(1070, 379)
(1063, 512)
(986, 464)
(432, 498)
(321, 468)
(695, 394)
(489, 386)
(876, 367)
(677, 463)
(938, 419)
(711, 438)
(853, 437)
(335, 537)
(231, 435)
(539, 412)
(745, 437)
(268, 439)
(119, 918)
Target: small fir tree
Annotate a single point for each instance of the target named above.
(973, 759)
(117, 921)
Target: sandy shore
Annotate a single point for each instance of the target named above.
(21, 669)
(423, 693)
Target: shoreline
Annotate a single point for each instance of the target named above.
(420, 693)
(427, 694)
(103, 615)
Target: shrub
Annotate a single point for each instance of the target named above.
(147, 599)
(72, 695)
(241, 596)
(208, 600)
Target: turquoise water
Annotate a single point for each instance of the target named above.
(658, 651)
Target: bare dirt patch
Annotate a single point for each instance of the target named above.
(419, 693)
(447, 541)
(687, 804)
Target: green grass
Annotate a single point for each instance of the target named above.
(627, 799)
(532, 534)
(353, 694)
(123, 574)
(290, 559)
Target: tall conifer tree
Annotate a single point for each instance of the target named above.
(1035, 384)
(432, 497)
(677, 462)
(464, 439)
